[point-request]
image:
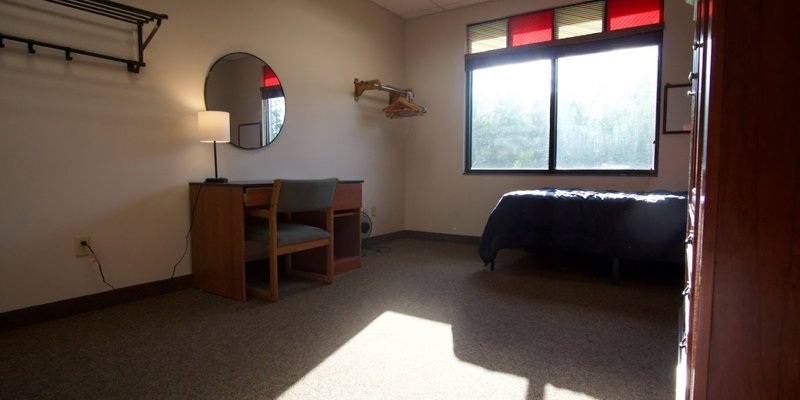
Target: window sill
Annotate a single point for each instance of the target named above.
(591, 172)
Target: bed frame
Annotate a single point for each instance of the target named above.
(633, 226)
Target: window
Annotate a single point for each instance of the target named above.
(273, 105)
(511, 116)
(273, 111)
(531, 28)
(579, 20)
(487, 36)
(607, 117)
(577, 106)
(569, 21)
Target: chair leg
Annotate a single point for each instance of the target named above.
(322, 276)
(273, 277)
(329, 263)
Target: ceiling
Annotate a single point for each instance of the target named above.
(408, 9)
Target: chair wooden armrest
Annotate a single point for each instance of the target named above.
(299, 218)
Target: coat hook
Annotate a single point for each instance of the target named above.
(30, 48)
(68, 55)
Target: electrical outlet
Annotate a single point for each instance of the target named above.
(81, 250)
(373, 211)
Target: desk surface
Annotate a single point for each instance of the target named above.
(255, 183)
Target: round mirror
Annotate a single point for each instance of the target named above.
(247, 88)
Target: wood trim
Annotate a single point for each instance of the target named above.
(329, 272)
(746, 325)
(219, 209)
(324, 278)
(259, 196)
(275, 251)
(65, 308)
(293, 248)
(219, 247)
(707, 199)
(272, 295)
(347, 197)
(346, 264)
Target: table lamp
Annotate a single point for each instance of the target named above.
(213, 127)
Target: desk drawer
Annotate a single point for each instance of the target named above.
(347, 196)
(257, 197)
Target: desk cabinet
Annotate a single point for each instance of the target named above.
(219, 253)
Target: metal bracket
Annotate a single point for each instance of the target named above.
(394, 93)
(401, 101)
(109, 9)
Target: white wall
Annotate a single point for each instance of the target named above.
(90, 149)
(439, 197)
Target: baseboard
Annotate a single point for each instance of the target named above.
(420, 235)
(375, 240)
(64, 308)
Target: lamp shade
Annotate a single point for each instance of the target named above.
(214, 126)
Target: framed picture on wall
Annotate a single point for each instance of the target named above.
(250, 136)
(677, 108)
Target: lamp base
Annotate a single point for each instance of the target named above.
(216, 180)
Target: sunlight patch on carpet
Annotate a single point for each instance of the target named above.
(399, 356)
(556, 393)
(680, 379)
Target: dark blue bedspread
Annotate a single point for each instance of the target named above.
(635, 226)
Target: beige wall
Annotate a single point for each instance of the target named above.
(90, 149)
(439, 198)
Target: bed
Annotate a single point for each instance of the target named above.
(622, 225)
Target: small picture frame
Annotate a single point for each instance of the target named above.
(249, 136)
(677, 108)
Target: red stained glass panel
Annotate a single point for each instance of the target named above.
(531, 28)
(624, 14)
(270, 79)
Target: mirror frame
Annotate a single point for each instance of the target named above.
(235, 130)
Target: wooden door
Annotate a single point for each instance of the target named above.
(699, 274)
(699, 284)
(743, 334)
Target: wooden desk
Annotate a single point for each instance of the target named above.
(218, 242)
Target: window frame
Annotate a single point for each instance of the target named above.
(552, 50)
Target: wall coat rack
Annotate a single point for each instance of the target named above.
(401, 101)
(109, 9)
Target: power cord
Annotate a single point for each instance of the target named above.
(94, 260)
(189, 232)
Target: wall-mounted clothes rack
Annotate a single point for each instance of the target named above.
(109, 9)
(401, 101)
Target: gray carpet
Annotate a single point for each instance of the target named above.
(422, 320)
